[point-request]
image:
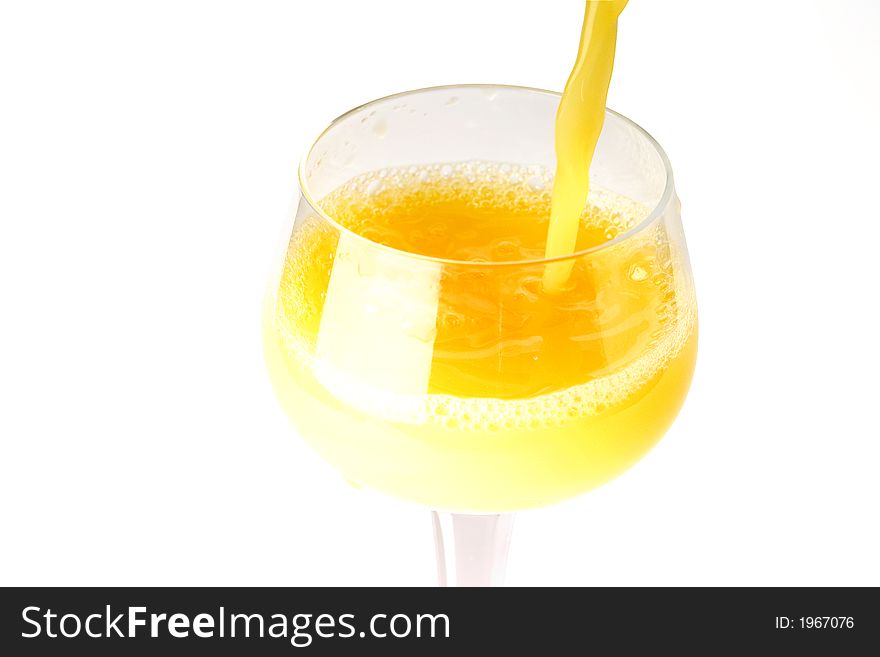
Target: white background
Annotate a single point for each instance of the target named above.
(148, 153)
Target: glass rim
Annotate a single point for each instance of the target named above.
(656, 212)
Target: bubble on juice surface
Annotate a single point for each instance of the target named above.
(535, 182)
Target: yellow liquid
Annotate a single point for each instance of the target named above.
(579, 121)
(472, 388)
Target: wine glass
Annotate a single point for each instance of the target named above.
(460, 383)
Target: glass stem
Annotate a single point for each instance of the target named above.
(471, 549)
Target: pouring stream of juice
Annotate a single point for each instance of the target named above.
(579, 121)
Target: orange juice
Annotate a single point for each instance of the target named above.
(454, 378)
